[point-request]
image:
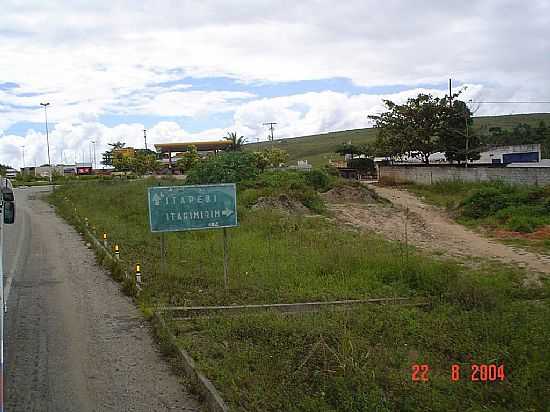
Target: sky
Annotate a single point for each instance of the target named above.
(196, 70)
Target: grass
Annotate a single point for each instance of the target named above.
(319, 148)
(361, 360)
(345, 361)
(273, 257)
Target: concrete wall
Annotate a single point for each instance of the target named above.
(428, 175)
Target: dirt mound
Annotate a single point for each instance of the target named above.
(355, 194)
(542, 233)
(282, 203)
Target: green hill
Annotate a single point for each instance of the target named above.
(319, 148)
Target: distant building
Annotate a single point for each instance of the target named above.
(69, 170)
(301, 165)
(525, 153)
(44, 171)
(11, 173)
(84, 169)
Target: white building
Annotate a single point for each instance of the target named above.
(525, 153)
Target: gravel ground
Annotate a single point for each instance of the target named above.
(73, 341)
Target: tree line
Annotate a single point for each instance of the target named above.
(425, 125)
(144, 161)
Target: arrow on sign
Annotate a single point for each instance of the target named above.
(157, 199)
(227, 212)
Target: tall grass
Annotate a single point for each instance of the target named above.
(273, 257)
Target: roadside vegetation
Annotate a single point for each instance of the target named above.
(348, 361)
(517, 214)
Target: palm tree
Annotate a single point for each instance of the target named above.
(236, 142)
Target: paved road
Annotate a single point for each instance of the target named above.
(74, 342)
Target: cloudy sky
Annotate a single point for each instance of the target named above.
(194, 70)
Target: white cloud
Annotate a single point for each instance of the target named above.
(111, 57)
(296, 115)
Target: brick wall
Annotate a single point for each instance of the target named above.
(428, 175)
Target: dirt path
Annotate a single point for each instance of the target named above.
(73, 341)
(429, 228)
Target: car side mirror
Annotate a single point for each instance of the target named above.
(9, 212)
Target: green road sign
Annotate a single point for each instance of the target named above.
(176, 208)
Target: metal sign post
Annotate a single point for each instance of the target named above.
(181, 208)
(225, 257)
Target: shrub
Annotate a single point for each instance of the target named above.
(485, 202)
(363, 164)
(231, 167)
(318, 179)
(521, 209)
(523, 224)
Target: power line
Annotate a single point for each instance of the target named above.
(510, 102)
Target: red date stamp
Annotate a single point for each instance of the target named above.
(476, 372)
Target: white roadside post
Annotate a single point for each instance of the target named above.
(138, 276)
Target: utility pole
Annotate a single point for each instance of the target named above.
(467, 134)
(23, 150)
(145, 137)
(47, 137)
(450, 93)
(271, 124)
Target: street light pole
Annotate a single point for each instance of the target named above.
(47, 138)
(95, 164)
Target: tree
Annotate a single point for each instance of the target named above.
(188, 159)
(122, 163)
(3, 169)
(425, 125)
(521, 133)
(413, 128)
(349, 149)
(262, 162)
(139, 164)
(236, 142)
(108, 155)
(458, 139)
(231, 167)
(275, 157)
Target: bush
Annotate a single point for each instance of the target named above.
(520, 209)
(229, 167)
(318, 179)
(485, 202)
(293, 184)
(363, 164)
(523, 224)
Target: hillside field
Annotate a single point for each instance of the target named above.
(319, 148)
